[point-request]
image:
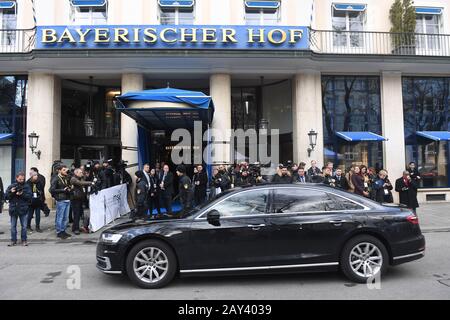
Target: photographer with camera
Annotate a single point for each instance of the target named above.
(106, 175)
(222, 179)
(76, 202)
(19, 196)
(42, 182)
(37, 200)
(200, 179)
(60, 189)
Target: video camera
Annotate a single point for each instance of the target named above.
(18, 187)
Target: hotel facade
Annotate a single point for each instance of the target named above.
(373, 96)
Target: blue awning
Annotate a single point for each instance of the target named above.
(5, 136)
(262, 4)
(7, 4)
(176, 3)
(349, 7)
(428, 10)
(88, 3)
(435, 135)
(360, 136)
(197, 107)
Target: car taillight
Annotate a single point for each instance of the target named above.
(413, 219)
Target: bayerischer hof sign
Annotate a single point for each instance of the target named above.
(173, 37)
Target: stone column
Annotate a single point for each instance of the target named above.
(307, 115)
(393, 125)
(220, 91)
(44, 118)
(128, 127)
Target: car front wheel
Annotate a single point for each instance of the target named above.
(151, 264)
(364, 258)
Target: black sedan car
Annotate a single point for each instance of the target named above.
(265, 229)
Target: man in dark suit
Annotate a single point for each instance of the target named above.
(407, 189)
(200, 183)
(339, 180)
(166, 186)
(301, 176)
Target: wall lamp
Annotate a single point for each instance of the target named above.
(312, 135)
(33, 139)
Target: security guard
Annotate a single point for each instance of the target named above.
(185, 189)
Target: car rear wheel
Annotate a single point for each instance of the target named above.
(151, 264)
(364, 258)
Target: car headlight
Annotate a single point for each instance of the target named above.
(111, 237)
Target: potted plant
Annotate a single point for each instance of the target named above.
(403, 20)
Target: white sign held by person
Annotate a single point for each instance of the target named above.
(108, 205)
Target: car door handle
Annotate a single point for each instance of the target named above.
(337, 222)
(256, 226)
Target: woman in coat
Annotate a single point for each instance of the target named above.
(383, 188)
(358, 182)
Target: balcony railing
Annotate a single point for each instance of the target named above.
(17, 40)
(379, 43)
(321, 41)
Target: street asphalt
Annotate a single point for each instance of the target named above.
(66, 270)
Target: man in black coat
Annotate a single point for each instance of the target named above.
(200, 183)
(185, 189)
(37, 200)
(42, 182)
(141, 196)
(2, 195)
(166, 187)
(339, 180)
(284, 177)
(407, 189)
(19, 196)
(413, 172)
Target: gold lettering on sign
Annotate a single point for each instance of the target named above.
(192, 35)
(150, 35)
(228, 35)
(251, 36)
(272, 39)
(49, 35)
(82, 34)
(295, 34)
(66, 35)
(101, 35)
(136, 34)
(209, 35)
(163, 35)
(120, 35)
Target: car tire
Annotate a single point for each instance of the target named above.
(146, 260)
(359, 263)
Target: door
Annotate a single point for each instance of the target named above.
(242, 238)
(308, 226)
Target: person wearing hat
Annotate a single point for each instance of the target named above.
(185, 189)
(141, 196)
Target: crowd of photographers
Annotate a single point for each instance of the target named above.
(154, 189)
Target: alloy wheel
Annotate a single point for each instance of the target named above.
(365, 259)
(150, 265)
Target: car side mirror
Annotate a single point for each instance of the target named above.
(213, 217)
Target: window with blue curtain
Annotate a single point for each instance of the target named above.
(351, 103)
(426, 107)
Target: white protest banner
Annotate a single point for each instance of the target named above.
(108, 205)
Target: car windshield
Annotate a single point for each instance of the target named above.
(206, 203)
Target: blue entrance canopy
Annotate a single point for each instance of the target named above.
(7, 4)
(4, 136)
(435, 135)
(194, 106)
(360, 136)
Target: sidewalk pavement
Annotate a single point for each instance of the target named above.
(432, 217)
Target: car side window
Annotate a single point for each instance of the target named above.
(244, 204)
(291, 200)
(340, 203)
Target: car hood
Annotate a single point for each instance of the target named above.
(128, 223)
